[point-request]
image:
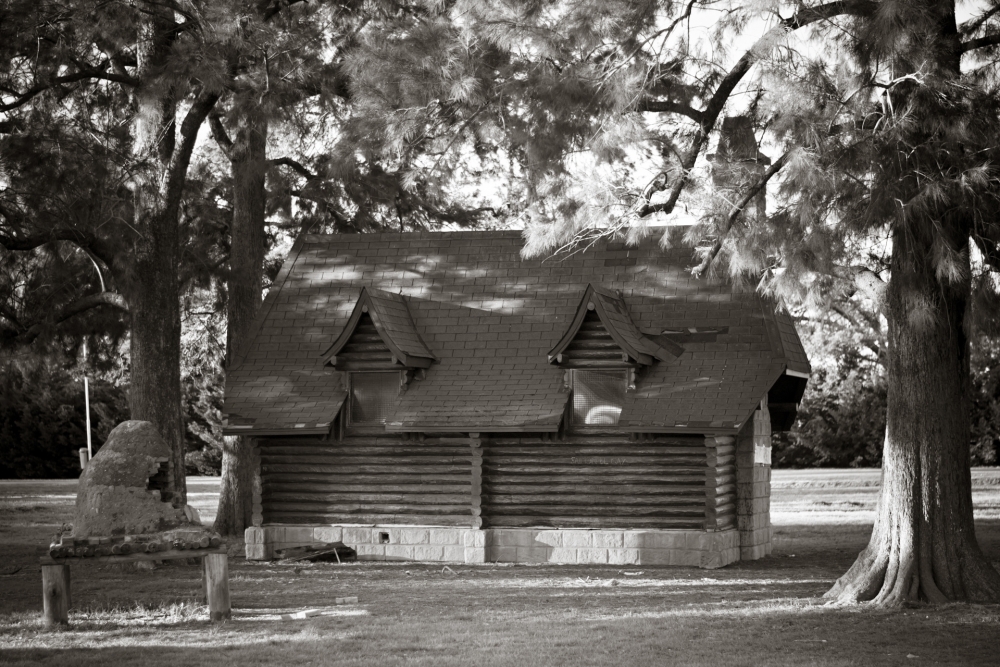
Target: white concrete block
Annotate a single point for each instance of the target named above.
(445, 536)
(577, 538)
(514, 537)
(549, 538)
(592, 556)
(608, 539)
(454, 553)
(296, 534)
(408, 536)
(355, 536)
(623, 556)
(698, 541)
(633, 539)
(501, 554)
(326, 534)
(370, 551)
(562, 555)
(397, 551)
(475, 538)
(533, 554)
(651, 556)
(428, 552)
(686, 557)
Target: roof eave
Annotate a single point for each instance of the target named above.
(471, 428)
(254, 432)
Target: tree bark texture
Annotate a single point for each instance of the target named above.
(246, 260)
(152, 284)
(923, 546)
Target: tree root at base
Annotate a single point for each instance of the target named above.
(887, 578)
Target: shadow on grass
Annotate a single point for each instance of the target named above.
(661, 630)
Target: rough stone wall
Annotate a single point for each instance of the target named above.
(753, 485)
(113, 497)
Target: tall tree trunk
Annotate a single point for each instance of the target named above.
(246, 260)
(152, 290)
(151, 284)
(923, 545)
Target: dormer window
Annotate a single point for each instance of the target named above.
(374, 397)
(603, 335)
(598, 396)
(382, 352)
(380, 335)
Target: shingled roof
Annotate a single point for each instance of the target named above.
(490, 318)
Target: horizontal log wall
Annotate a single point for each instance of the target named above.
(370, 480)
(594, 482)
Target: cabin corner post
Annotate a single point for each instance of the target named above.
(255, 539)
(753, 457)
(476, 491)
(258, 506)
(711, 476)
(475, 539)
(725, 482)
(721, 541)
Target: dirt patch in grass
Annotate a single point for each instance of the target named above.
(767, 612)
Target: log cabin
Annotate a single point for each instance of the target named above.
(438, 397)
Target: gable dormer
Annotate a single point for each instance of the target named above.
(603, 335)
(379, 336)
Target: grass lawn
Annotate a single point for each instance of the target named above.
(767, 612)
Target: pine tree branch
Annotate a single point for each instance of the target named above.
(220, 135)
(735, 212)
(11, 126)
(268, 9)
(85, 240)
(82, 75)
(976, 23)
(70, 310)
(717, 103)
(989, 250)
(872, 345)
(980, 43)
(10, 316)
(867, 282)
(181, 158)
(666, 106)
(294, 164)
(343, 223)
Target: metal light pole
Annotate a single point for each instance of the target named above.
(85, 458)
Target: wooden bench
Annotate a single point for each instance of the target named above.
(214, 568)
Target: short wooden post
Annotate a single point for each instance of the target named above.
(216, 573)
(55, 595)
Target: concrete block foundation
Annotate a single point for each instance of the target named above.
(692, 548)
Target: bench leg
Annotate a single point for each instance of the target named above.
(55, 595)
(216, 573)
